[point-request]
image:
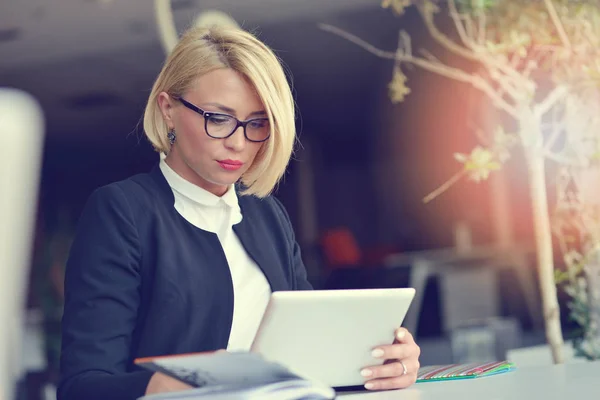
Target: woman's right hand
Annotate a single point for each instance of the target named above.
(161, 383)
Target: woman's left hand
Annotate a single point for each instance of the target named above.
(400, 367)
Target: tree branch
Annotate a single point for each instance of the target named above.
(554, 96)
(505, 85)
(529, 68)
(440, 69)
(469, 28)
(566, 161)
(428, 56)
(473, 51)
(404, 43)
(482, 26)
(480, 133)
(445, 186)
(515, 60)
(557, 23)
(443, 39)
(458, 24)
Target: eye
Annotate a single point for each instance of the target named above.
(218, 119)
(258, 123)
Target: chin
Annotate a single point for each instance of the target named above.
(218, 178)
(225, 180)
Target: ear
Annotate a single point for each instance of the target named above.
(165, 103)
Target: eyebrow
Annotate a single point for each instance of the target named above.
(232, 111)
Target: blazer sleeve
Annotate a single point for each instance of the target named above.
(298, 269)
(102, 298)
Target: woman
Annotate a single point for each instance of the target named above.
(181, 259)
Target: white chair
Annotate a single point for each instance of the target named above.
(21, 134)
(467, 292)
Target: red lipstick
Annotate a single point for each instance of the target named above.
(230, 165)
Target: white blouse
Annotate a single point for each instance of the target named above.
(251, 290)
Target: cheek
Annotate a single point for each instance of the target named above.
(197, 146)
(253, 149)
(191, 129)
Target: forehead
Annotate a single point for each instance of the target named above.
(226, 87)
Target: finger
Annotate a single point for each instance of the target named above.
(160, 383)
(391, 369)
(399, 382)
(402, 335)
(398, 351)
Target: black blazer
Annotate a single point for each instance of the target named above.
(142, 281)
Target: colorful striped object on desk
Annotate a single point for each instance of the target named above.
(463, 371)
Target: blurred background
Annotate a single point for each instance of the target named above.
(354, 189)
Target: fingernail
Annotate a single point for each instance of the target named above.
(369, 386)
(366, 372)
(377, 353)
(400, 334)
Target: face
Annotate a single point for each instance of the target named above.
(213, 164)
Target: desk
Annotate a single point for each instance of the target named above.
(560, 382)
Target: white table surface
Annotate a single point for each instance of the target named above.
(564, 382)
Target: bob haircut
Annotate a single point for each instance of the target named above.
(202, 50)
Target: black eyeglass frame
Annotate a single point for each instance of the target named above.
(208, 114)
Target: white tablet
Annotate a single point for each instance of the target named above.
(328, 335)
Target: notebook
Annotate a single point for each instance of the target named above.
(463, 371)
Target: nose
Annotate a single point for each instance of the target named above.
(237, 141)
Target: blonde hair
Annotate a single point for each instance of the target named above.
(202, 50)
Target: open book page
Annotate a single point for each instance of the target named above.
(288, 390)
(233, 375)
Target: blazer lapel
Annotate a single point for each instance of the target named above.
(255, 237)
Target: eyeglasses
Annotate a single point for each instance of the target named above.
(222, 126)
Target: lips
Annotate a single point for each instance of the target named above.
(230, 165)
(231, 162)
